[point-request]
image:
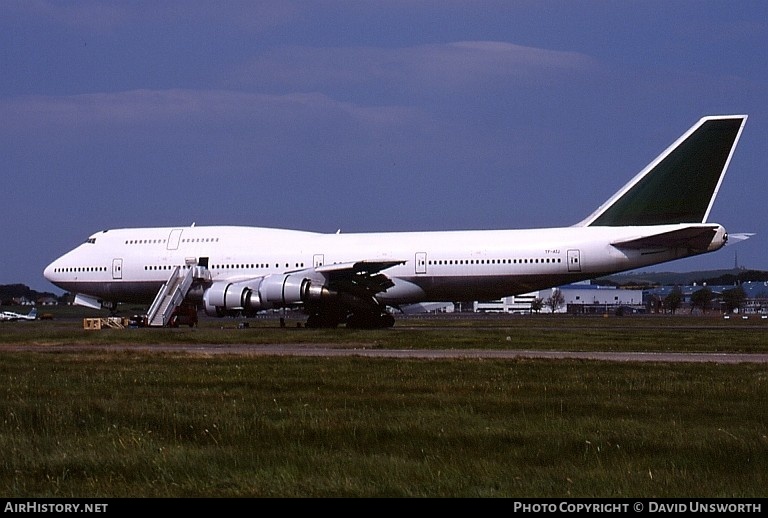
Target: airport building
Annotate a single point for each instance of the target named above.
(577, 298)
(516, 304)
(592, 299)
(585, 298)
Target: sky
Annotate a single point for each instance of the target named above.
(363, 115)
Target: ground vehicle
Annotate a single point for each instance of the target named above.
(184, 315)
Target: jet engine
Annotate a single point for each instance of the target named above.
(271, 291)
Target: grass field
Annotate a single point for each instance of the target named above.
(147, 424)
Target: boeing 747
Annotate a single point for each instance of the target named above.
(357, 279)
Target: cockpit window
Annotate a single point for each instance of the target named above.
(91, 240)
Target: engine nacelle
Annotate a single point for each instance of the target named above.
(272, 291)
(283, 290)
(223, 297)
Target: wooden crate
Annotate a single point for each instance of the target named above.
(105, 323)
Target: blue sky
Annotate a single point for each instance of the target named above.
(363, 115)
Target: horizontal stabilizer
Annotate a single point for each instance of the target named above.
(696, 238)
(737, 238)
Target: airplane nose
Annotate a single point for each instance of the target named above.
(50, 272)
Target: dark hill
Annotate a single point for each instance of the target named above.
(8, 292)
(713, 277)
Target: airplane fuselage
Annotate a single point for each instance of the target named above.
(130, 265)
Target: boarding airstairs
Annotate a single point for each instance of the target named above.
(172, 294)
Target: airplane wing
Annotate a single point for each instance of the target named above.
(361, 278)
(329, 293)
(695, 237)
(362, 267)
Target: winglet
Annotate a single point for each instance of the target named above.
(681, 184)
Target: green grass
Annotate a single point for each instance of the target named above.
(162, 425)
(636, 333)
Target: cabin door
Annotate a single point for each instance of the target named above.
(174, 238)
(421, 262)
(574, 261)
(117, 268)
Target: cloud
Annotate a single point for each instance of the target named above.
(447, 67)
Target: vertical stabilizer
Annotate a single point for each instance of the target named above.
(681, 184)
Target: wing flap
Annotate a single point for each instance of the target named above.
(360, 278)
(358, 267)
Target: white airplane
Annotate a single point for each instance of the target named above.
(12, 316)
(355, 279)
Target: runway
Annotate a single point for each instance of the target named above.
(334, 350)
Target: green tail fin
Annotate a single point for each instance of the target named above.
(681, 184)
